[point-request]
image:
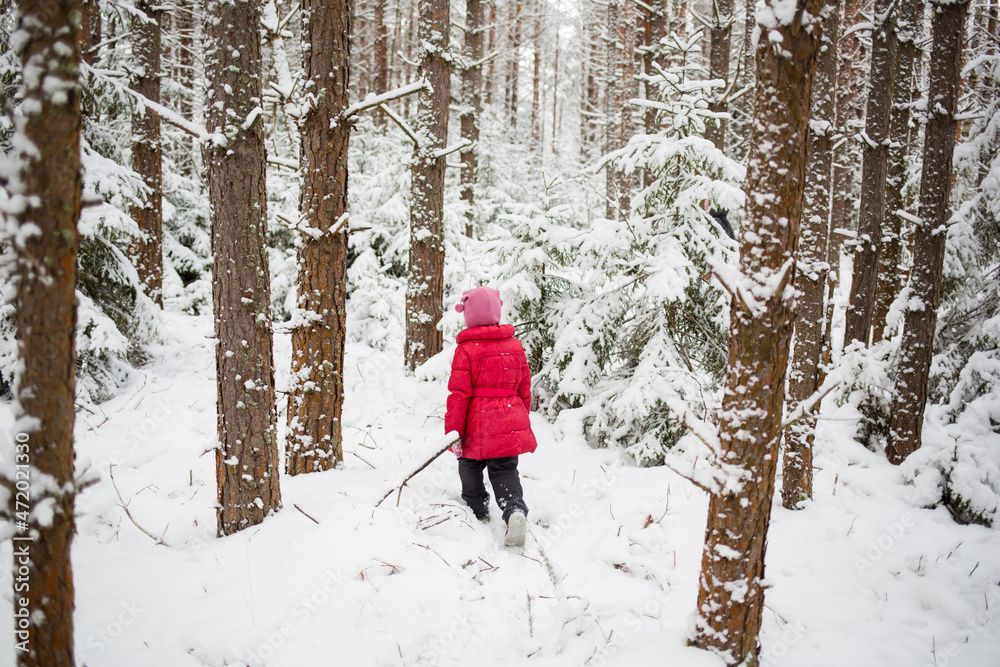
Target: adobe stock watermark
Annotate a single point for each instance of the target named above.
(635, 620)
(884, 543)
(99, 641)
(791, 635)
(303, 610)
(972, 626)
(437, 648)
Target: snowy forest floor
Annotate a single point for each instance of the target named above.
(608, 576)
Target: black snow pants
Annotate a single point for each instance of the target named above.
(505, 481)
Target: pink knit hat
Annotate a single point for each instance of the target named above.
(481, 307)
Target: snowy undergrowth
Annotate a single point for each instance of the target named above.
(608, 576)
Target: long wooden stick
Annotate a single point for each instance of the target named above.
(451, 443)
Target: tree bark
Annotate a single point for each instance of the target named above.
(626, 127)
(908, 31)
(472, 107)
(845, 156)
(720, 34)
(803, 376)
(491, 48)
(246, 461)
(731, 591)
(536, 80)
(875, 160)
(47, 181)
(316, 398)
(147, 160)
(612, 101)
(381, 57)
(425, 290)
(513, 65)
(920, 318)
(654, 55)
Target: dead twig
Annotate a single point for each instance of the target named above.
(305, 514)
(124, 506)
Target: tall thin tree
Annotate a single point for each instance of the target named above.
(909, 28)
(246, 461)
(147, 252)
(316, 397)
(45, 187)
(920, 318)
(875, 161)
(720, 33)
(472, 109)
(731, 591)
(425, 288)
(804, 372)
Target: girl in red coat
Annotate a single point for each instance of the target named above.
(488, 407)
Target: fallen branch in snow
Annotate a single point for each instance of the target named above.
(304, 514)
(124, 506)
(451, 443)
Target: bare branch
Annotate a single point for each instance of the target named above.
(378, 100)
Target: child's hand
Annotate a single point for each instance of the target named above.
(457, 448)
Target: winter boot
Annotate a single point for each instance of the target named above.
(516, 526)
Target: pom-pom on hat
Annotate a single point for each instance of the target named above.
(481, 307)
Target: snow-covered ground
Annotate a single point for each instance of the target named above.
(608, 576)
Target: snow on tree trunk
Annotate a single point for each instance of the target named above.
(536, 80)
(803, 375)
(246, 461)
(513, 64)
(626, 126)
(845, 156)
(184, 22)
(908, 31)
(731, 590)
(612, 103)
(316, 397)
(654, 54)
(472, 106)
(44, 206)
(424, 291)
(720, 32)
(381, 57)
(147, 160)
(920, 318)
(875, 160)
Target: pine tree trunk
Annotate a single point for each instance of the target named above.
(920, 318)
(626, 127)
(731, 592)
(491, 48)
(381, 57)
(146, 152)
(472, 109)
(536, 81)
(360, 46)
(555, 95)
(720, 33)
(612, 98)
(184, 21)
(246, 461)
(654, 55)
(515, 63)
(875, 160)
(425, 290)
(803, 376)
(846, 160)
(47, 179)
(316, 397)
(908, 31)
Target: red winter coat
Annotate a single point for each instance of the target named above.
(490, 397)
